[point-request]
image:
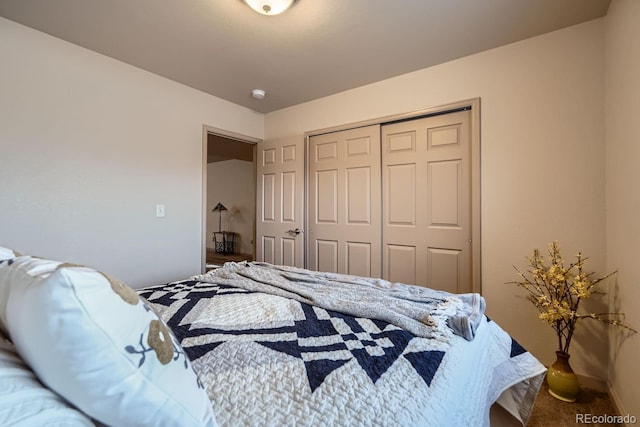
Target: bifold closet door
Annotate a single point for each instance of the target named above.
(344, 218)
(426, 186)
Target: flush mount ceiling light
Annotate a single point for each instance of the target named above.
(270, 7)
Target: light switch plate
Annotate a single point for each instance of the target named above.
(159, 211)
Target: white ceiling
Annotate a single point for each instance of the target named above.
(317, 48)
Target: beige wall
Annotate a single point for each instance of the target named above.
(623, 198)
(79, 182)
(90, 145)
(233, 183)
(542, 119)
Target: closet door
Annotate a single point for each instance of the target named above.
(426, 188)
(279, 219)
(344, 221)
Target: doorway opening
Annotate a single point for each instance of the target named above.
(229, 198)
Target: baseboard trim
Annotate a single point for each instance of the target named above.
(617, 403)
(597, 384)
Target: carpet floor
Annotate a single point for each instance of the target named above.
(551, 412)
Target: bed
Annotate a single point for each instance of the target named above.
(283, 352)
(270, 345)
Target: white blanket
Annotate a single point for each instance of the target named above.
(422, 311)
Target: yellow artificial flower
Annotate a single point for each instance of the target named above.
(556, 291)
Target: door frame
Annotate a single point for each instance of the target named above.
(474, 105)
(206, 130)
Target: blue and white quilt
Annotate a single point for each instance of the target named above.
(269, 360)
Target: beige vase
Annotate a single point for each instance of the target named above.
(562, 381)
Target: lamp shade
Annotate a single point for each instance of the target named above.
(270, 7)
(219, 207)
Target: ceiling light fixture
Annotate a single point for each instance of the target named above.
(270, 7)
(258, 93)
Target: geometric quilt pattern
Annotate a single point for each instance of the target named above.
(324, 340)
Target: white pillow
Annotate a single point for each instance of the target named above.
(6, 254)
(24, 401)
(91, 338)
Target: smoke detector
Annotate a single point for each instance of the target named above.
(258, 93)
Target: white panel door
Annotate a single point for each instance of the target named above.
(426, 184)
(280, 195)
(344, 228)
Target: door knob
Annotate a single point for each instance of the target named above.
(296, 231)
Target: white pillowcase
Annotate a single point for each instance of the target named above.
(24, 401)
(6, 253)
(95, 342)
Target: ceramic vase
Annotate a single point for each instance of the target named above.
(562, 381)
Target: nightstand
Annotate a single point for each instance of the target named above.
(223, 241)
